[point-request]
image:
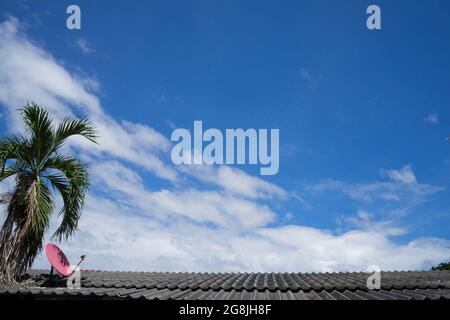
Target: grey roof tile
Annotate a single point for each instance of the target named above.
(248, 286)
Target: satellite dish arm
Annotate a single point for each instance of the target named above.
(81, 260)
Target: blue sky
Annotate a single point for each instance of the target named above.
(363, 118)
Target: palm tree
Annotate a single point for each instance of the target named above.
(39, 170)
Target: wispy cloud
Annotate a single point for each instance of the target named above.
(404, 175)
(235, 181)
(431, 118)
(84, 46)
(162, 98)
(311, 81)
(305, 74)
(381, 205)
(364, 220)
(401, 185)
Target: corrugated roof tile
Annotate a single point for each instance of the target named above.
(247, 286)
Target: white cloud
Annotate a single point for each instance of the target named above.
(84, 46)
(224, 225)
(354, 250)
(431, 118)
(404, 175)
(235, 181)
(115, 239)
(199, 206)
(239, 182)
(363, 220)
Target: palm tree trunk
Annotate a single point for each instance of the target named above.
(16, 254)
(8, 265)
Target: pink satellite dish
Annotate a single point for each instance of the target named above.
(58, 260)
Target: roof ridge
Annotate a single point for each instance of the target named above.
(247, 273)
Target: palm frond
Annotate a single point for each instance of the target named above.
(39, 206)
(72, 182)
(14, 148)
(72, 126)
(8, 172)
(40, 125)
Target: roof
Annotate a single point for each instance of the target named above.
(410, 285)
